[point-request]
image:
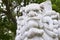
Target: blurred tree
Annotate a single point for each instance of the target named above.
(9, 9)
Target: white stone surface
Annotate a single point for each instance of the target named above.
(38, 22)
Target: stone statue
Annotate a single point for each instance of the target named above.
(38, 22)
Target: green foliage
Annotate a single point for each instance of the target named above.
(5, 27)
(39, 1)
(56, 5)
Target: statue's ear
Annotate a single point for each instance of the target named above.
(46, 5)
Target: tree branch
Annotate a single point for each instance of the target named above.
(2, 11)
(24, 2)
(9, 13)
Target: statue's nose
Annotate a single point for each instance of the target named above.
(32, 14)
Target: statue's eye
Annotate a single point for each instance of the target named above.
(42, 7)
(27, 11)
(47, 23)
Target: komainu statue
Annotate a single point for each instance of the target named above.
(38, 22)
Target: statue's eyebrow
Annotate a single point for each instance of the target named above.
(36, 10)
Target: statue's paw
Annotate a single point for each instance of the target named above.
(51, 33)
(34, 31)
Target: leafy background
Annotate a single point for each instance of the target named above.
(8, 23)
